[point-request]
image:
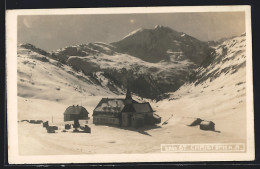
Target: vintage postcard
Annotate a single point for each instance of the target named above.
(110, 85)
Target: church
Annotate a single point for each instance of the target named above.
(124, 112)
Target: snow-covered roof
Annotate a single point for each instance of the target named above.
(118, 105)
(207, 123)
(108, 104)
(142, 107)
(76, 110)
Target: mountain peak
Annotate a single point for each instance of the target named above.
(162, 43)
(243, 34)
(161, 27)
(26, 45)
(158, 26)
(33, 48)
(134, 32)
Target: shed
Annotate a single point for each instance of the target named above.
(87, 129)
(67, 126)
(75, 113)
(32, 121)
(50, 130)
(207, 125)
(45, 124)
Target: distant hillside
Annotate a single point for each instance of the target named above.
(223, 75)
(42, 77)
(227, 58)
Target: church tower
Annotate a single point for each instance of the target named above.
(128, 97)
(128, 93)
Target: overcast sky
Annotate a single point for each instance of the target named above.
(56, 31)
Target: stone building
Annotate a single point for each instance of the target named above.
(124, 112)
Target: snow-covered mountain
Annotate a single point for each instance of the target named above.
(113, 71)
(172, 59)
(153, 61)
(163, 43)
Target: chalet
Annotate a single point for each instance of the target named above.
(124, 112)
(75, 113)
(207, 125)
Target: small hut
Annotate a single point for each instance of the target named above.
(50, 130)
(38, 121)
(32, 121)
(207, 125)
(45, 124)
(75, 112)
(67, 126)
(87, 129)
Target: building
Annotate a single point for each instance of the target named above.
(124, 112)
(207, 125)
(75, 113)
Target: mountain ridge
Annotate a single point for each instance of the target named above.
(147, 79)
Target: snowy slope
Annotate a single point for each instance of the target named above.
(42, 77)
(217, 91)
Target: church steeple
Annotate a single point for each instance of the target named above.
(128, 93)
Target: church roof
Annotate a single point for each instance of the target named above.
(142, 107)
(118, 105)
(138, 107)
(110, 104)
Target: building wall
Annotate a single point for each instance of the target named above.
(138, 120)
(210, 126)
(67, 117)
(126, 119)
(107, 120)
(70, 117)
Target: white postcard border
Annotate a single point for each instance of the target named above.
(11, 70)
